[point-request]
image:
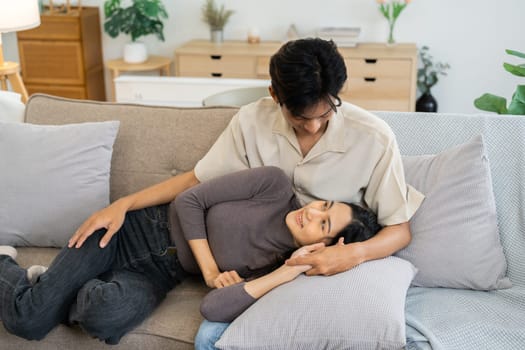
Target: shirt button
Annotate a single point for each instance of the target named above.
(173, 172)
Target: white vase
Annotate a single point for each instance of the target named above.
(135, 52)
(216, 36)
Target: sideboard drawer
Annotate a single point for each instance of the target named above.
(378, 68)
(378, 93)
(263, 68)
(220, 66)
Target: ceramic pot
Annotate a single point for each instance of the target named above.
(216, 36)
(135, 52)
(426, 103)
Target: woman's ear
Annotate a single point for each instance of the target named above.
(273, 94)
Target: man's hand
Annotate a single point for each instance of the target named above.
(226, 279)
(111, 218)
(330, 260)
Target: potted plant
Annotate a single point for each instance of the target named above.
(141, 18)
(498, 104)
(391, 9)
(216, 17)
(427, 77)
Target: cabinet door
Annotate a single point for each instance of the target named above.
(51, 62)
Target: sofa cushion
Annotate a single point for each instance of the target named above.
(362, 308)
(53, 177)
(153, 143)
(455, 237)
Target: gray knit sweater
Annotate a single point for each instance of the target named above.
(242, 215)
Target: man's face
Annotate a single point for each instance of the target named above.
(313, 121)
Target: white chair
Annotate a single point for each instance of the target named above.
(236, 97)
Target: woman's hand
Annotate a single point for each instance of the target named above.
(225, 279)
(111, 218)
(304, 250)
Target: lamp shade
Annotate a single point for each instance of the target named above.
(19, 15)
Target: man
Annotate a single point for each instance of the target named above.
(329, 149)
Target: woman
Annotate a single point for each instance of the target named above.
(250, 220)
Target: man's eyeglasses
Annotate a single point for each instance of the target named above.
(333, 108)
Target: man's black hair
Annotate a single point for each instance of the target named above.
(306, 71)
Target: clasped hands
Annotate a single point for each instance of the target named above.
(314, 259)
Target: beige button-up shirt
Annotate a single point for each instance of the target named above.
(357, 159)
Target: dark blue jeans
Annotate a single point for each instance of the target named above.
(107, 291)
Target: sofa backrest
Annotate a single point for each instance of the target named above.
(153, 143)
(504, 137)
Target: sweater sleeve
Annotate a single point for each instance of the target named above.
(225, 304)
(263, 183)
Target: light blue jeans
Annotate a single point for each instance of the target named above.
(209, 332)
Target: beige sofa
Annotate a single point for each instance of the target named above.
(154, 143)
(177, 138)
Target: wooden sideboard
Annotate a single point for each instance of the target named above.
(63, 56)
(380, 76)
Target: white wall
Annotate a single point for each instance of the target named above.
(471, 35)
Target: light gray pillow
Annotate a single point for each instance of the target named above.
(363, 308)
(455, 237)
(52, 178)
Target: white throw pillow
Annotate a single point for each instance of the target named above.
(455, 237)
(52, 178)
(363, 308)
(11, 107)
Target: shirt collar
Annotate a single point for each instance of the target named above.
(332, 140)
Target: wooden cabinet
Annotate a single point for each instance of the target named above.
(380, 76)
(231, 59)
(63, 56)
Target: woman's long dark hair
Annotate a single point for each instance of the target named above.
(363, 226)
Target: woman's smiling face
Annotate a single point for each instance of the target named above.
(318, 221)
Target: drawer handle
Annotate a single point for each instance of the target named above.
(215, 57)
(370, 79)
(370, 60)
(216, 75)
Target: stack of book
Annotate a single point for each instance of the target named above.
(342, 36)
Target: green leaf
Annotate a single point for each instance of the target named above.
(491, 103)
(515, 69)
(515, 53)
(517, 105)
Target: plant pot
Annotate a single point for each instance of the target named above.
(135, 52)
(426, 103)
(216, 36)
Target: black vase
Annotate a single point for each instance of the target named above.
(426, 103)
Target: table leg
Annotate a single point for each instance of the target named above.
(3, 82)
(114, 74)
(166, 70)
(18, 85)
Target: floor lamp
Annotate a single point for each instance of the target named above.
(18, 15)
